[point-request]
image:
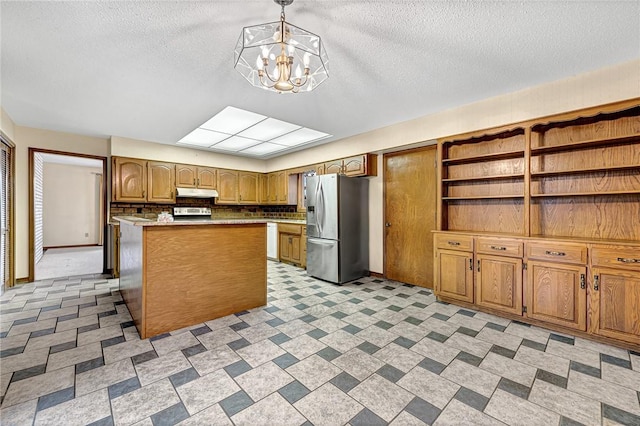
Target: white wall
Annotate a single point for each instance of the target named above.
(38, 191)
(6, 124)
(24, 138)
(125, 147)
(71, 205)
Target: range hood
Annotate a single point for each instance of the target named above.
(196, 193)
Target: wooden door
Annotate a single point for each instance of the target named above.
(263, 188)
(333, 167)
(615, 304)
(499, 283)
(355, 166)
(556, 293)
(129, 179)
(227, 187)
(186, 176)
(273, 188)
(161, 182)
(410, 216)
(248, 188)
(283, 187)
(207, 178)
(454, 270)
(284, 247)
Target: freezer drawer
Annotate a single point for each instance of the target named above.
(323, 258)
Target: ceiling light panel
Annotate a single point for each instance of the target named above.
(268, 129)
(232, 120)
(201, 137)
(263, 148)
(235, 143)
(300, 137)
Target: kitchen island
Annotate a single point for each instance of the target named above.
(177, 274)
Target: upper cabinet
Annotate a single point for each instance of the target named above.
(359, 165)
(227, 187)
(188, 176)
(248, 188)
(129, 182)
(161, 182)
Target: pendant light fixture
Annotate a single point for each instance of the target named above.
(281, 57)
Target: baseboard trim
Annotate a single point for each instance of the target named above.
(75, 246)
(22, 280)
(376, 274)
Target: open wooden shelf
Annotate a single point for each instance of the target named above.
(481, 178)
(585, 170)
(585, 194)
(591, 143)
(483, 197)
(484, 157)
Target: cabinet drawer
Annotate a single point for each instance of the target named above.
(500, 246)
(454, 242)
(616, 257)
(289, 228)
(558, 252)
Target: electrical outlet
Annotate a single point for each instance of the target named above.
(86, 235)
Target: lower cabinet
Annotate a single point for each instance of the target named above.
(556, 293)
(586, 287)
(290, 243)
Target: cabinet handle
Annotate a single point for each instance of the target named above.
(596, 282)
(143, 193)
(194, 181)
(555, 253)
(453, 243)
(583, 285)
(624, 260)
(198, 181)
(501, 248)
(478, 265)
(171, 194)
(471, 264)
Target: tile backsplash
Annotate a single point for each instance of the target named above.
(151, 211)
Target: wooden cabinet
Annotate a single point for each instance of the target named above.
(272, 186)
(333, 167)
(615, 292)
(248, 188)
(207, 178)
(129, 179)
(283, 187)
(291, 243)
(319, 169)
(498, 283)
(188, 176)
(227, 187)
(161, 182)
(359, 165)
(556, 293)
(454, 267)
(263, 188)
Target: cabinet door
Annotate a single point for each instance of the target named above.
(263, 188)
(285, 247)
(499, 283)
(333, 167)
(355, 166)
(557, 293)
(319, 168)
(454, 274)
(227, 187)
(273, 188)
(248, 188)
(129, 179)
(283, 187)
(186, 176)
(615, 304)
(296, 249)
(161, 182)
(207, 178)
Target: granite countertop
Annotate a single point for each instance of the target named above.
(138, 221)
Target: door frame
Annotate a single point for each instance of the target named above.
(12, 211)
(434, 146)
(32, 233)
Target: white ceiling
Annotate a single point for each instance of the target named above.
(157, 70)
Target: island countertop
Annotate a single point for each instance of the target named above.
(138, 221)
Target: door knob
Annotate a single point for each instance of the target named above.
(387, 224)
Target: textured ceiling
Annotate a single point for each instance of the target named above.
(156, 70)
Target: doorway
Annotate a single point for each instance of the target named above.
(67, 214)
(7, 212)
(410, 215)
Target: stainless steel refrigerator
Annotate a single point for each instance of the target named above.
(337, 227)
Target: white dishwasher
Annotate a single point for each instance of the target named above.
(272, 241)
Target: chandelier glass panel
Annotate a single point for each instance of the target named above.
(281, 57)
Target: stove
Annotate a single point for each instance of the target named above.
(191, 213)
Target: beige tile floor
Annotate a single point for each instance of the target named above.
(68, 262)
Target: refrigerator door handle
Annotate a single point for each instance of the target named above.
(320, 206)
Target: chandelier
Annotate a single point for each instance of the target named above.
(281, 57)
